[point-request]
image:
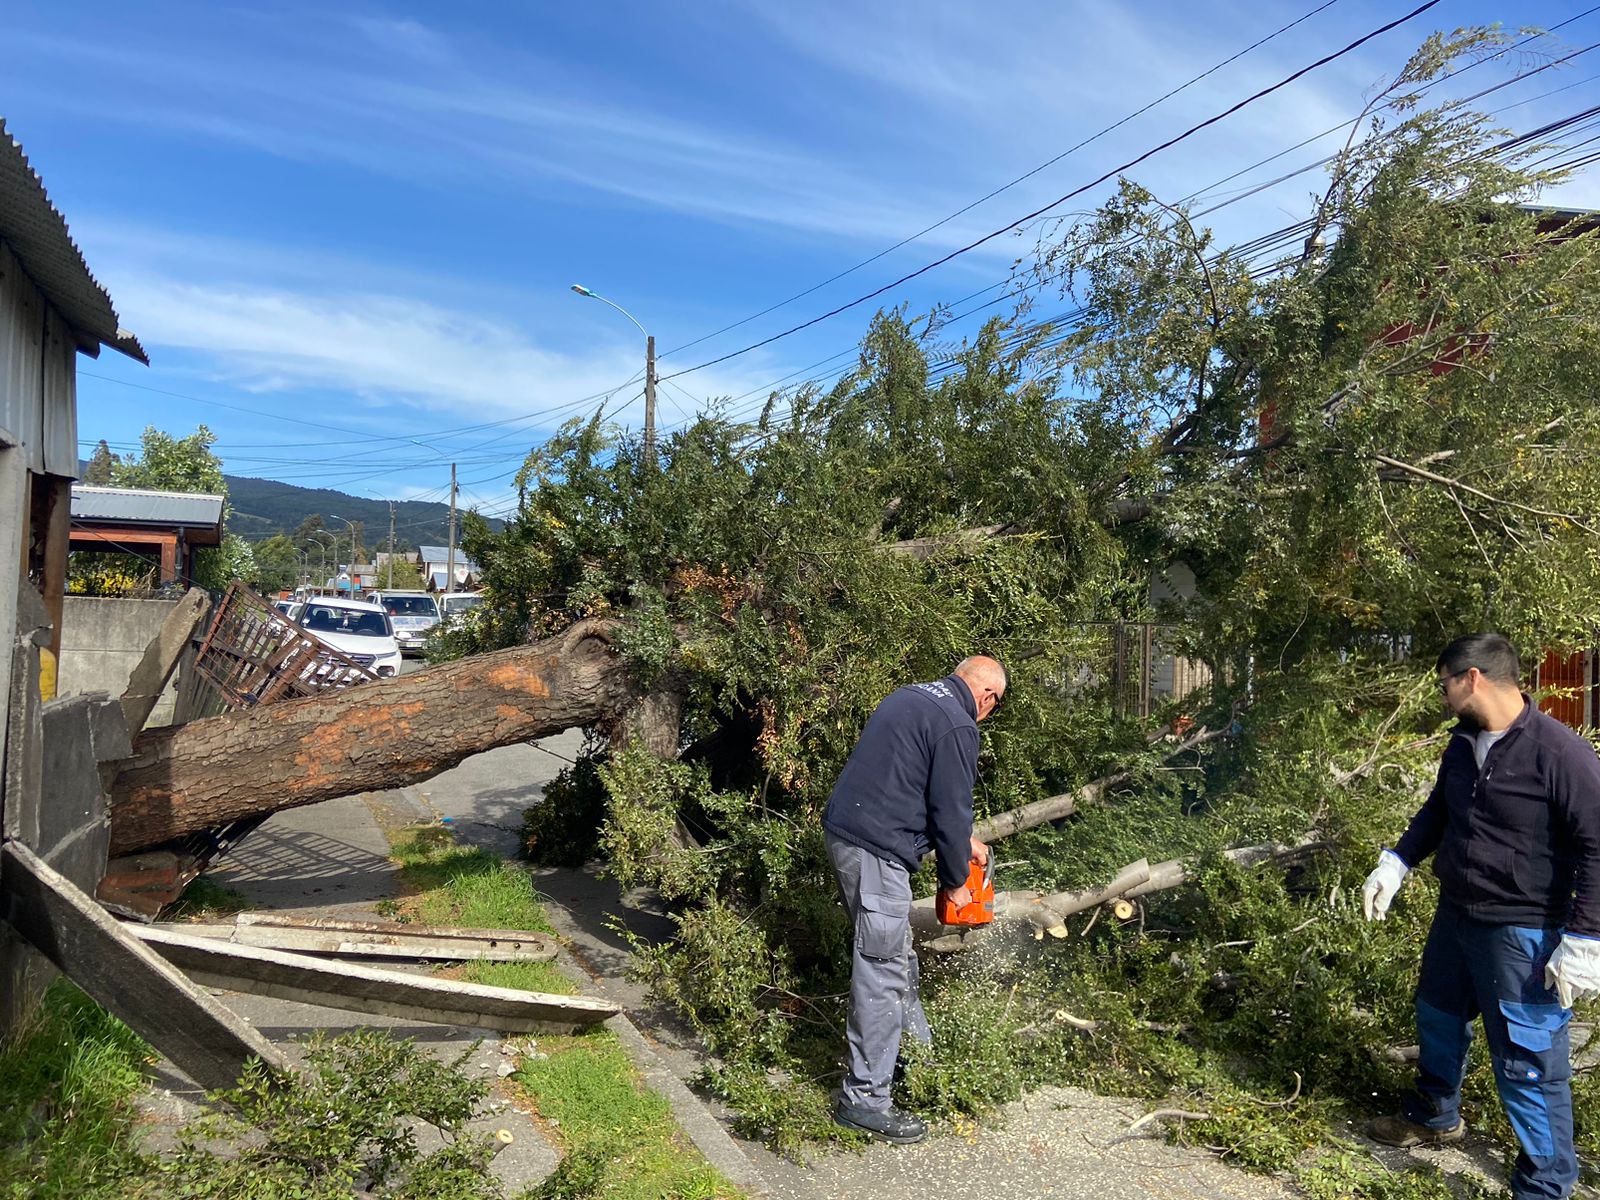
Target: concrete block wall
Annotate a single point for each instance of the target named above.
(102, 640)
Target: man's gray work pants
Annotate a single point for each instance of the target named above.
(883, 972)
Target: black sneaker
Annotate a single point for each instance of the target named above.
(890, 1125)
(1397, 1131)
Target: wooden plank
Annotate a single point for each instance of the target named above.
(370, 990)
(375, 939)
(207, 1042)
(149, 678)
(391, 940)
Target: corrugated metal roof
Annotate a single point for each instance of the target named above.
(439, 554)
(155, 508)
(37, 233)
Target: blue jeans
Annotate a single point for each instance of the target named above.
(1472, 969)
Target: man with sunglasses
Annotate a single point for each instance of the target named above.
(1514, 823)
(906, 789)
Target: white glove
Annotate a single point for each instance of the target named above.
(1383, 884)
(1574, 968)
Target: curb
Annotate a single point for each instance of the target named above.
(708, 1134)
(693, 1117)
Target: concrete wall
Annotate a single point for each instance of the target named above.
(102, 640)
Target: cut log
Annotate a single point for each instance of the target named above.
(370, 990)
(382, 735)
(1047, 912)
(373, 939)
(207, 1042)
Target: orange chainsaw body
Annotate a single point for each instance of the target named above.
(980, 882)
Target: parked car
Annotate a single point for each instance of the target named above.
(413, 615)
(359, 630)
(453, 604)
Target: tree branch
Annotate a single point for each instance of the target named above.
(1446, 481)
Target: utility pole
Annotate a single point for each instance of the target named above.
(390, 583)
(649, 372)
(650, 400)
(450, 547)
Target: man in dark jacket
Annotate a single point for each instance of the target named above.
(1514, 823)
(906, 789)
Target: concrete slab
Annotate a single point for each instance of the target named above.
(330, 858)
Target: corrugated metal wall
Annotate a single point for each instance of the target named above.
(38, 390)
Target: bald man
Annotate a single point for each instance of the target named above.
(906, 789)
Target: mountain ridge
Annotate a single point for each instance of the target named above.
(263, 507)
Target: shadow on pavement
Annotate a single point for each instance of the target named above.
(278, 867)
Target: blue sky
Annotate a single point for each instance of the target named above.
(338, 227)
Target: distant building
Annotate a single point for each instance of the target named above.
(434, 564)
(168, 526)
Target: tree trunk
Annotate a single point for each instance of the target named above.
(377, 736)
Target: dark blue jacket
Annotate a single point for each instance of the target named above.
(907, 786)
(1519, 841)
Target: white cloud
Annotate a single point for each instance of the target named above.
(385, 349)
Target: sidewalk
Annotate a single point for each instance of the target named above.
(1063, 1143)
(1051, 1144)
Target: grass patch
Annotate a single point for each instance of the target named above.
(203, 898)
(620, 1139)
(463, 886)
(67, 1084)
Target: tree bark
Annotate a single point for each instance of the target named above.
(377, 736)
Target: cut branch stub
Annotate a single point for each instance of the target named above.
(380, 735)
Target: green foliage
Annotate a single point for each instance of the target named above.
(351, 1119)
(67, 1085)
(169, 464)
(94, 573)
(563, 829)
(101, 466)
(277, 564)
(1357, 455)
(407, 576)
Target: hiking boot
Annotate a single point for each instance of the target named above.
(890, 1125)
(1397, 1131)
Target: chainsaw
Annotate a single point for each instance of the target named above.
(980, 911)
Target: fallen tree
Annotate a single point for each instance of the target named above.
(388, 734)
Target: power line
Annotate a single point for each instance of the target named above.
(1133, 162)
(1303, 227)
(1281, 239)
(921, 233)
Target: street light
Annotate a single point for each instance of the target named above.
(649, 372)
(352, 528)
(450, 542)
(322, 554)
